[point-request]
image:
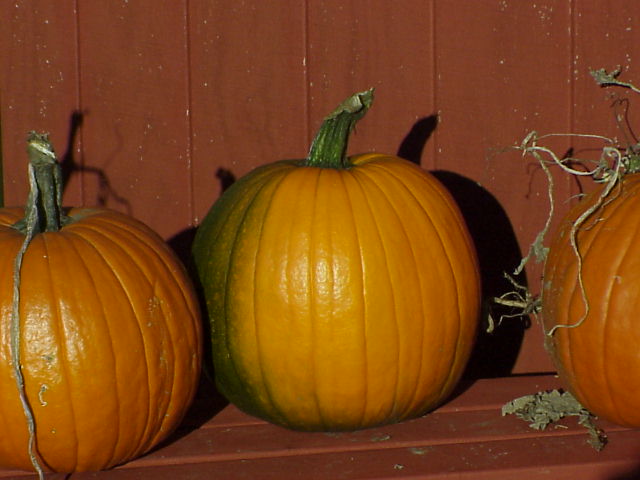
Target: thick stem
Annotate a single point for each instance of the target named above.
(45, 196)
(329, 147)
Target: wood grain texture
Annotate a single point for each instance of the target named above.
(605, 36)
(134, 99)
(466, 438)
(179, 98)
(353, 46)
(38, 84)
(248, 90)
(491, 92)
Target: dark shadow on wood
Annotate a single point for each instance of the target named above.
(181, 244)
(67, 161)
(413, 144)
(206, 405)
(208, 401)
(498, 253)
(226, 177)
(70, 166)
(633, 474)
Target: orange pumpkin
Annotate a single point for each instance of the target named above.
(109, 336)
(342, 292)
(598, 357)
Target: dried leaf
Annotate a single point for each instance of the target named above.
(544, 408)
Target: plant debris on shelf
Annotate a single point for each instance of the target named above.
(544, 408)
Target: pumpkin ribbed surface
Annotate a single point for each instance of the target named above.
(599, 360)
(339, 298)
(111, 342)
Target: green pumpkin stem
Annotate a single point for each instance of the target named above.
(329, 147)
(44, 205)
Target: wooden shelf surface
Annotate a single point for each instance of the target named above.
(465, 438)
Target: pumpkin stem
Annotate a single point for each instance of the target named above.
(329, 147)
(45, 195)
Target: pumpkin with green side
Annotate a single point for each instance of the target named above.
(342, 292)
(101, 335)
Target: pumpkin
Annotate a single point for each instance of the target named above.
(101, 338)
(342, 292)
(597, 356)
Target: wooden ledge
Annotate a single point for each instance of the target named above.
(465, 438)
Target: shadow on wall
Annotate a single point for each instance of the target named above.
(633, 474)
(498, 252)
(181, 244)
(70, 166)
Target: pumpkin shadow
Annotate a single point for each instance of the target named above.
(498, 252)
(632, 474)
(106, 192)
(207, 402)
(181, 244)
(413, 144)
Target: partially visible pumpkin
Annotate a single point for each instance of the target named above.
(343, 293)
(598, 357)
(109, 335)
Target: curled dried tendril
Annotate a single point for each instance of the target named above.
(614, 162)
(519, 300)
(610, 79)
(608, 170)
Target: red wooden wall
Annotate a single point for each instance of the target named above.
(150, 101)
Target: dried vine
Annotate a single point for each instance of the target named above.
(614, 162)
(43, 208)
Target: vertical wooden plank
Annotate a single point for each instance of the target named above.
(506, 76)
(248, 93)
(134, 96)
(38, 84)
(359, 44)
(607, 35)
(503, 75)
(173, 93)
